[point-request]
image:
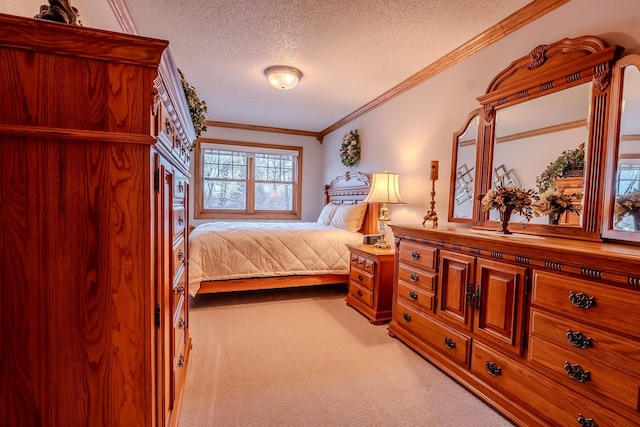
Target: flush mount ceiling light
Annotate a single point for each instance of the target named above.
(283, 77)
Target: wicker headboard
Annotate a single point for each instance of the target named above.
(353, 187)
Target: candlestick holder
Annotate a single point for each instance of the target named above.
(432, 215)
(433, 177)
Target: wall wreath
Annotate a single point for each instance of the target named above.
(350, 150)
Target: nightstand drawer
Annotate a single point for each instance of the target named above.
(445, 339)
(361, 294)
(363, 263)
(601, 305)
(361, 278)
(418, 255)
(416, 297)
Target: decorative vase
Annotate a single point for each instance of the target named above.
(554, 218)
(504, 219)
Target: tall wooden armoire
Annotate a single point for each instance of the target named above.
(93, 211)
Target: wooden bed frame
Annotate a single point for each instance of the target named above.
(352, 187)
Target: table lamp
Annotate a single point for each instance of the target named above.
(384, 189)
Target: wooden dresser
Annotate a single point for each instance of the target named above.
(543, 329)
(371, 281)
(94, 165)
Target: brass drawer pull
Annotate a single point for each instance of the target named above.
(413, 276)
(360, 278)
(180, 255)
(181, 361)
(413, 296)
(415, 255)
(586, 422)
(577, 373)
(578, 339)
(181, 323)
(180, 220)
(493, 369)
(178, 290)
(581, 300)
(406, 317)
(449, 343)
(359, 293)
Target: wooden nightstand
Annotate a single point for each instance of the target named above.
(371, 281)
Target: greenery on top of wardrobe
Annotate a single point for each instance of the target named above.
(197, 107)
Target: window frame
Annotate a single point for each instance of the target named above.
(248, 212)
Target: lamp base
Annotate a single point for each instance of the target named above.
(382, 244)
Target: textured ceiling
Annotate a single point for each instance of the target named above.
(350, 52)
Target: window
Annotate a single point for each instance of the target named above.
(243, 180)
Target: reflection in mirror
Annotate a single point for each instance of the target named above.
(463, 175)
(552, 131)
(627, 206)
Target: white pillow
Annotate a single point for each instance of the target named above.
(327, 213)
(349, 217)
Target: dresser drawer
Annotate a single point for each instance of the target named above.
(179, 358)
(179, 187)
(579, 338)
(448, 341)
(179, 255)
(585, 375)
(602, 305)
(361, 294)
(179, 321)
(179, 220)
(561, 408)
(416, 297)
(417, 277)
(361, 278)
(417, 255)
(178, 291)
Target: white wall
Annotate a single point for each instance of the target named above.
(312, 165)
(92, 13)
(409, 131)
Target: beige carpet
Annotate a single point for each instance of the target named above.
(301, 357)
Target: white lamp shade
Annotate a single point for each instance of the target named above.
(283, 77)
(384, 189)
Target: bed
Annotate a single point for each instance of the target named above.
(229, 256)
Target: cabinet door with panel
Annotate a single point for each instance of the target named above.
(455, 289)
(498, 302)
(483, 296)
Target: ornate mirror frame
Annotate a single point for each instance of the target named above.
(549, 69)
(464, 185)
(618, 98)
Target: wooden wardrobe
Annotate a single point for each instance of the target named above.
(94, 167)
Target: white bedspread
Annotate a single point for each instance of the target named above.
(234, 250)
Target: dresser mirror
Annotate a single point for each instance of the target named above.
(622, 207)
(553, 124)
(550, 102)
(463, 171)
